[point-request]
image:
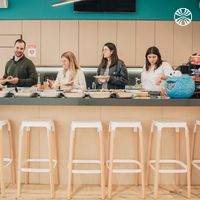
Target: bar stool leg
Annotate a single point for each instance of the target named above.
(188, 162)
(177, 155)
(51, 171)
(102, 165)
(69, 181)
(158, 143)
(55, 150)
(1, 163)
(111, 163)
(12, 154)
(27, 154)
(142, 161)
(107, 156)
(19, 163)
(193, 146)
(137, 157)
(149, 156)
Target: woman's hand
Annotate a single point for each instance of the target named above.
(70, 83)
(158, 80)
(103, 80)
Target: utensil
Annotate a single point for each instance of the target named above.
(16, 90)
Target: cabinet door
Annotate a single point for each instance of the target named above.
(145, 38)
(50, 42)
(126, 41)
(88, 43)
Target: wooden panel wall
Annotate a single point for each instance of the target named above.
(86, 38)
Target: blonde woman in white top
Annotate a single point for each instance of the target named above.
(155, 71)
(71, 76)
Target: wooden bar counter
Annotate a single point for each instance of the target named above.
(63, 111)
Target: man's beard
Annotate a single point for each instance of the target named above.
(18, 54)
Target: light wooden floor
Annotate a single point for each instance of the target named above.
(40, 192)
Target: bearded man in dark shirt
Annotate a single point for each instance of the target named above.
(19, 71)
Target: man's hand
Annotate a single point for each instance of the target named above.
(12, 80)
(1, 86)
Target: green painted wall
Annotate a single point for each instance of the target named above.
(145, 10)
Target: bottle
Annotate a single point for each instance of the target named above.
(38, 82)
(94, 86)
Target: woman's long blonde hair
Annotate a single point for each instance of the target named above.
(73, 64)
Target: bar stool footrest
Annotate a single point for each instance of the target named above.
(131, 171)
(36, 170)
(86, 162)
(196, 163)
(8, 161)
(184, 168)
(86, 171)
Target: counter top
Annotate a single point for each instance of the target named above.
(98, 102)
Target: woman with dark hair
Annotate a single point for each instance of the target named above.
(155, 71)
(112, 68)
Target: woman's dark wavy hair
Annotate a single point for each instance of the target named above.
(153, 50)
(114, 56)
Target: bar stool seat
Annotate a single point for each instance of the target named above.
(195, 162)
(155, 164)
(85, 124)
(23, 166)
(137, 128)
(5, 162)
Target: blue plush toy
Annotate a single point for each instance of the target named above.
(179, 87)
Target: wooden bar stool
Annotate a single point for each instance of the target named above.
(23, 163)
(137, 128)
(84, 124)
(195, 162)
(8, 161)
(155, 164)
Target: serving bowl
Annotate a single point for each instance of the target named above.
(49, 93)
(23, 94)
(100, 95)
(74, 94)
(3, 93)
(124, 95)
